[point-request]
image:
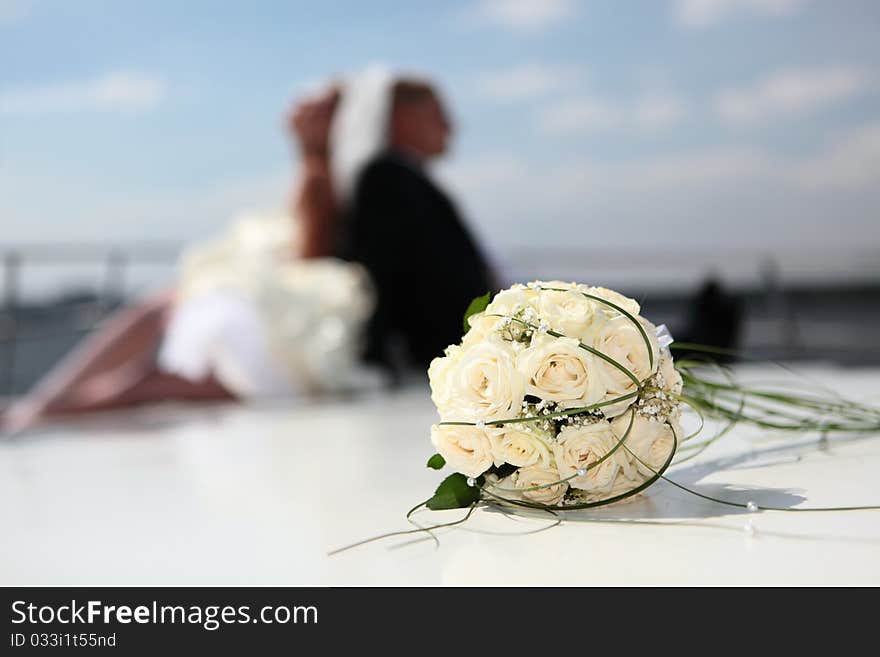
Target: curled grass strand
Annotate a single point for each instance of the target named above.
(407, 532)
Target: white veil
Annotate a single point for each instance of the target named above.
(360, 128)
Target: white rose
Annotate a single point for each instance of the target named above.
(580, 446)
(467, 449)
(508, 302)
(649, 442)
(621, 340)
(440, 377)
(671, 378)
(511, 312)
(623, 485)
(544, 483)
(558, 369)
(481, 329)
(556, 285)
(516, 446)
(629, 305)
(484, 327)
(483, 383)
(568, 312)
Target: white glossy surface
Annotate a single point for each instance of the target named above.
(245, 495)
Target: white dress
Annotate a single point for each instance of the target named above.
(264, 322)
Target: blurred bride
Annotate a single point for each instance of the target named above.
(268, 308)
(265, 310)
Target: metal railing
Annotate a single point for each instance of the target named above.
(114, 262)
(766, 274)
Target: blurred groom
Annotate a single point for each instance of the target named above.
(409, 235)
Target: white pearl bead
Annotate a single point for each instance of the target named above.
(581, 472)
(751, 506)
(481, 423)
(471, 482)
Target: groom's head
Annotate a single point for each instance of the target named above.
(419, 123)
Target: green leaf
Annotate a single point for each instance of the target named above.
(453, 493)
(436, 462)
(478, 305)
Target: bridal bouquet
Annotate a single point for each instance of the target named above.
(558, 395)
(561, 397)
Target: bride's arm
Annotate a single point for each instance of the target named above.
(315, 207)
(314, 204)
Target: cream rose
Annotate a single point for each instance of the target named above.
(508, 302)
(671, 378)
(481, 384)
(649, 442)
(537, 484)
(620, 340)
(629, 305)
(481, 328)
(569, 312)
(558, 369)
(563, 284)
(517, 446)
(622, 485)
(578, 447)
(518, 302)
(440, 378)
(467, 449)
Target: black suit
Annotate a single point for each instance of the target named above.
(423, 261)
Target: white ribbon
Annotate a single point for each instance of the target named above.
(664, 337)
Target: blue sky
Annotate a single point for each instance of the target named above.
(696, 122)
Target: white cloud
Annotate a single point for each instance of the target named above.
(658, 110)
(119, 90)
(789, 92)
(522, 15)
(653, 111)
(746, 197)
(851, 161)
(699, 14)
(527, 81)
(579, 116)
